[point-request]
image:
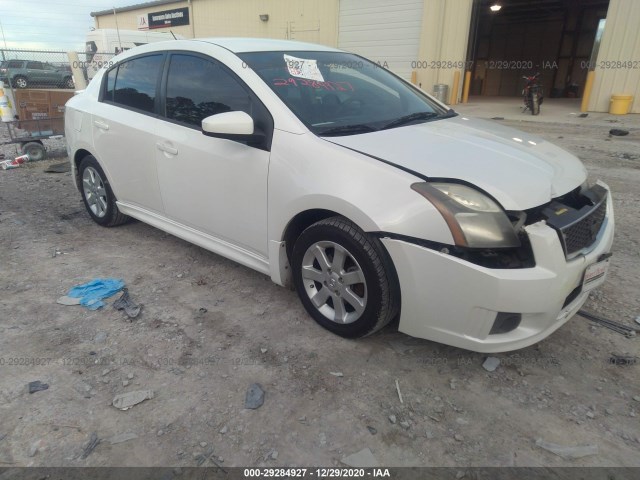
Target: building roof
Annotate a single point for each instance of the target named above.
(240, 45)
(155, 3)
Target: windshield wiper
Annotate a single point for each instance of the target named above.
(347, 130)
(412, 117)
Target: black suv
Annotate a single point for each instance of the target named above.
(25, 73)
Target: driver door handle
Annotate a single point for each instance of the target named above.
(101, 125)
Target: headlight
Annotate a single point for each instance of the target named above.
(475, 220)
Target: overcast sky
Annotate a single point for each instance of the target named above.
(51, 24)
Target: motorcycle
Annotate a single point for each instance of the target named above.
(532, 94)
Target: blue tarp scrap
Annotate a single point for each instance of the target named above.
(92, 293)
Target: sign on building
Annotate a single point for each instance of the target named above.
(143, 22)
(169, 18)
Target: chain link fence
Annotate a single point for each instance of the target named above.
(21, 69)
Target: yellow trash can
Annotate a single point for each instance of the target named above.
(620, 104)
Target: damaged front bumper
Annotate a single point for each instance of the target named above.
(458, 303)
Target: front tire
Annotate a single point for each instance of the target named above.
(97, 195)
(344, 278)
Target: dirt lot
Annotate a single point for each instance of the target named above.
(200, 362)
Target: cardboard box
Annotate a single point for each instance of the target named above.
(39, 104)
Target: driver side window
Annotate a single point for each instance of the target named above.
(198, 88)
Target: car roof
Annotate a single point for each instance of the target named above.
(240, 45)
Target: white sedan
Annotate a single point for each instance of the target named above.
(327, 172)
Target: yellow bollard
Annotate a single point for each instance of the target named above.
(467, 85)
(454, 90)
(586, 95)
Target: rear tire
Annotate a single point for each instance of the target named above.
(97, 195)
(344, 278)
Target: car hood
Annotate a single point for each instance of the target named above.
(519, 170)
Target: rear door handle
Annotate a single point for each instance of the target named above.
(166, 148)
(101, 125)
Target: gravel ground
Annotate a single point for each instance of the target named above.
(210, 328)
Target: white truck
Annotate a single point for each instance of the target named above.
(103, 44)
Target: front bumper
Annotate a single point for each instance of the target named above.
(455, 302)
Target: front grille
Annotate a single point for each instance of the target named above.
(583, 233)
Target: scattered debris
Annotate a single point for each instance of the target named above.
(263, 350)
(92, 293)
(568, 453)
(398, 390)
(65, 300)
(125, 303)
(491, 363)
(336, 374)
(37, 386)
(255, 397)
(372, 430)
(362, 459)
(15, 163)
(202, 458)
(392, 419)
(497, 118)
(583, 115)
(125, 401)
(623, 359)
(63, 167)
(122, 437)
(90, 446)
(618, 132)
(610, 324)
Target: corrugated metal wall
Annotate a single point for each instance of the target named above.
(304, 20)
(445, 31)
(620, 43)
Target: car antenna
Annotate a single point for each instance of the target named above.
(174, 37)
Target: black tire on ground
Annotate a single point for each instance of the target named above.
(35, 150)
(110, 216)
(535, 104)
(20, 82)
(381, 282)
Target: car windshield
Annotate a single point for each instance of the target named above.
(335, 93)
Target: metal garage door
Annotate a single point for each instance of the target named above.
(382, 30)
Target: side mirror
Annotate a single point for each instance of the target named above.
(237, 126)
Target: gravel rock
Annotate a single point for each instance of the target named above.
(255, 397)
(100, 337)
(406, 425)
(362, 459)
(392, 419)
(491, 363)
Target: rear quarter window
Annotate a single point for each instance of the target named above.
(133, 83)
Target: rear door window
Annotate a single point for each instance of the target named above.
(133, 83)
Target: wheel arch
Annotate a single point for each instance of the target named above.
(77, 160)
(280, 250)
